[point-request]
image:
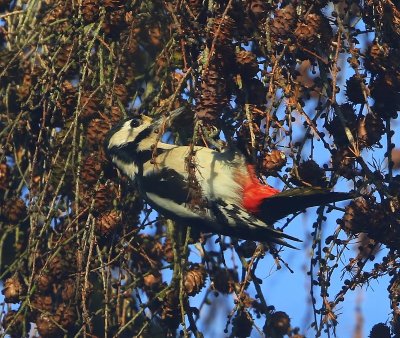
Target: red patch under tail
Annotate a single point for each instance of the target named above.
(254, 192)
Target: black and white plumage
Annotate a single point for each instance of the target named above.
(228, 186)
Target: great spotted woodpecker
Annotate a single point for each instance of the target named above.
(233, 201)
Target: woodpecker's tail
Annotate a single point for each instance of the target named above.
(290, 201)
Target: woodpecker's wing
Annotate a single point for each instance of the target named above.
(290, 201)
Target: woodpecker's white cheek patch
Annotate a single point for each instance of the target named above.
(125, 135)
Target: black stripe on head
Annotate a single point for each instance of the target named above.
(113, 130)
(128, 153)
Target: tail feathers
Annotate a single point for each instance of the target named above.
(233, 220)
(298, 199)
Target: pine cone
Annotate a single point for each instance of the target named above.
(376, 57)
(226, 26)
(170, 313)
(314, 28)
(168, 251)
(355, 89)
(121, 92)
(380, 331)
(41, 303)
(370, 130)
(91, 168)
(284, 21)
(4, 176)
(14, 210)
(310, 172)
(195, 6)
(358, 215)
(384, 90)
(152, 282)
(195, 279)
(68, 290)
(257, 8)
(112, 5)
(343, 162)
(47, 327)
(96, 132)
(279, 324)
(13, 290)
(90, 105)
(242, 324)
(103, 197)
(108, 223)
(20, 324)
(273, 162)
(90, 10)
(247, 64)
(65, 316)
(335, 126)
(224, 280)
(213, 96)
(44, 281)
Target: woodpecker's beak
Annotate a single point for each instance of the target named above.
(167, 119)
(147, 119)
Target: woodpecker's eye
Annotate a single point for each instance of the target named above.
(135, 123)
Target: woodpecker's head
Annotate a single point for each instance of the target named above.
(132, 140)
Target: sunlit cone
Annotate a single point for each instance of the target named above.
(13, 290)
(195, 279)
(152, 281)
(222, 30)
(47, 326)
(44, 281)
(273, 161)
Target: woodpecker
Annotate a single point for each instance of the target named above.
(232, 199)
